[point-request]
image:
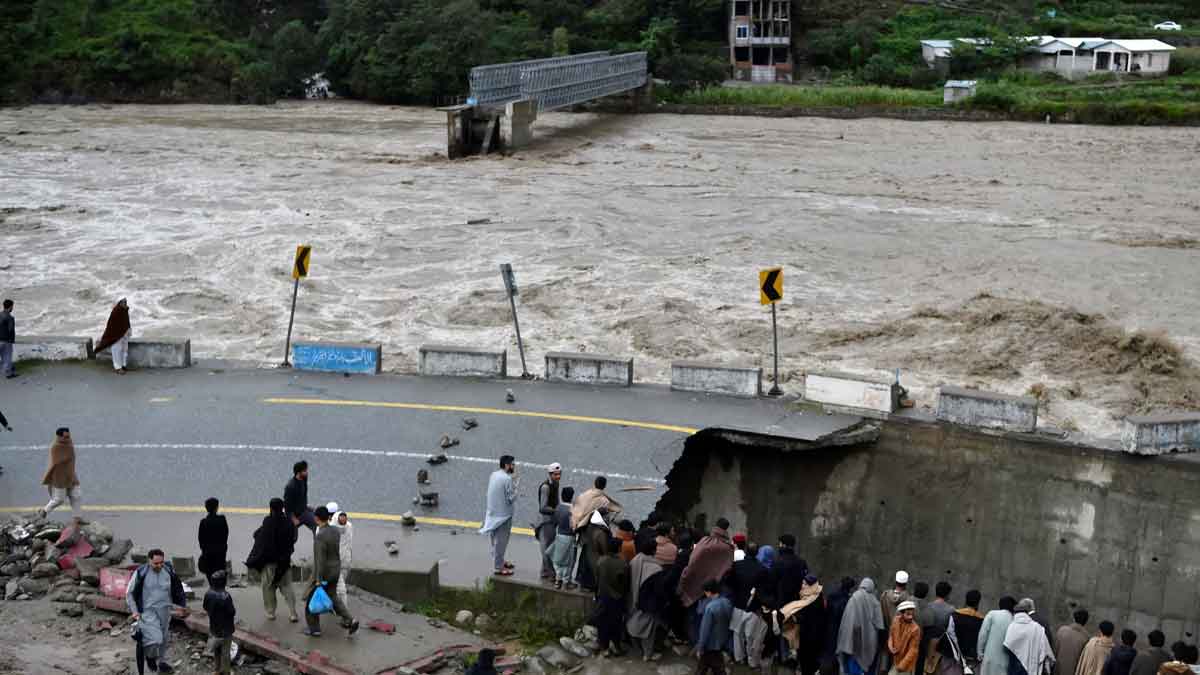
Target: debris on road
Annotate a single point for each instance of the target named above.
(423, 477)
(510, 396)
(447, 441)
(469, 423)
(438, 459)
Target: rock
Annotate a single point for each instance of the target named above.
(447, 441)
(24, 596)
(408, 519)
(469, 423)
(89, 570)
(535, 665)
(11, 590)
(138, 555)
(117, 552)
(483, 621)
(73, 609)
(32, 586)
(509, 396)
(72, 574)
(97, 534)
(587, 633)
(63, 595)
(574, 647)
(557, 657)
(16, 569)
(682, 650)
(464, 617)
(49, 533)
(16, 556)
(44, 570)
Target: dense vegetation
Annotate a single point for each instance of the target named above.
(420, 50)
(384, 50)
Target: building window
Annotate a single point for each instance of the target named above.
(743, 32)
(741, 8)
(1149, 60)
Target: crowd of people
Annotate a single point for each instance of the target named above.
(729, 599)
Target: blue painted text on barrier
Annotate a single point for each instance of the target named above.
(335, 358)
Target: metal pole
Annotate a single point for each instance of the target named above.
(287, 347)
(512, 301)
(775, 390)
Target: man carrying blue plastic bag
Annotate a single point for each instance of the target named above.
(327, 566)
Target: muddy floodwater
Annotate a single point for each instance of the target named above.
(639, 235)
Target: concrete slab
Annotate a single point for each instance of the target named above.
(589, 368)
(988, 410)
(715, 378)
(856, 394)
(338, 357)
(1161, 434)
(458, 361)
(52, 348)
(156, 353)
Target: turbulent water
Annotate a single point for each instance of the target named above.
(636, 235)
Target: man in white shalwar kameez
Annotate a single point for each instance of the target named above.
(497, 522)
(153, 592)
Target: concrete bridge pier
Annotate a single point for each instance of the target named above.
(472, 131)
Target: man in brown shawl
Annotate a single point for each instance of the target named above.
(1096, 651)
(116, 335)
(60, 478)
(711, 560)
(590, 501)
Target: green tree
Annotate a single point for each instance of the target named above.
(293, 58)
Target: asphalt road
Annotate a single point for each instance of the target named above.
(174, 438)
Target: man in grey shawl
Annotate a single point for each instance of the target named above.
(497, 522)
(153, 593)
(640, 624)
(858, 636)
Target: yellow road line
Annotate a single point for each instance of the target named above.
(255, 511)
(485, 411)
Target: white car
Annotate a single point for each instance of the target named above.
(1168, 25)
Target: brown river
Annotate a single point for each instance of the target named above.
(638, 235)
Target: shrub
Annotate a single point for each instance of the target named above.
(1185, 61)
(252, 83)
(995, 96)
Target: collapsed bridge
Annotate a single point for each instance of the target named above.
(506, 98)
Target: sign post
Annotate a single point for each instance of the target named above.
(770, 291)
(299, 271)
(510, 286)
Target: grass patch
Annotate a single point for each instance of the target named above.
(522, 622)
(815, 97)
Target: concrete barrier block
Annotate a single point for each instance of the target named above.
(542, 600)
(398, 585)
(52, 348)
(854, 394)
(1161, 434)
(463, 361)
(338, 357)
(975, 408)
(156, 353)
(714, 378)
(589, 369)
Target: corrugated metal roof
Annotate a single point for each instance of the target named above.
(1138, 45)
(960, 84)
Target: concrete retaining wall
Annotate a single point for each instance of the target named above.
(589, 369)
(463, 361)
(52, 348)
(398, 585)
(854, 394)
(544, 600)
(338, 357)
(714, 378)
(1161, 434)
(1067, 526)
(156, 353)
(976, 408)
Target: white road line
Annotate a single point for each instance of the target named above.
(330, 451)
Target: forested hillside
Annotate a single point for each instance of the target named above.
(418, 50)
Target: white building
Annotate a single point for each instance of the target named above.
(1072, 57)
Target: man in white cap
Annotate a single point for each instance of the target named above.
(888, 602)
(548, 497)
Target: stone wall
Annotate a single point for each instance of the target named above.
(1066, 525)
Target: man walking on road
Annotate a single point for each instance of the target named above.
(153, 595)
(116, 335)
(274, 543)
(327, 568)
(8, 335)
(497, 522)
(295, 496)
(548, 495)
(60, 478)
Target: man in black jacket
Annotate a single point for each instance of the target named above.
(218, 604)
(213, 537)
(746, 575)
(295, 496)
(274, 543)
(787, 574)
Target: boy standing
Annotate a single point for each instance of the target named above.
(219, 606)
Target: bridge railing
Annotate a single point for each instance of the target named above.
(557, 85)
(500, 83)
